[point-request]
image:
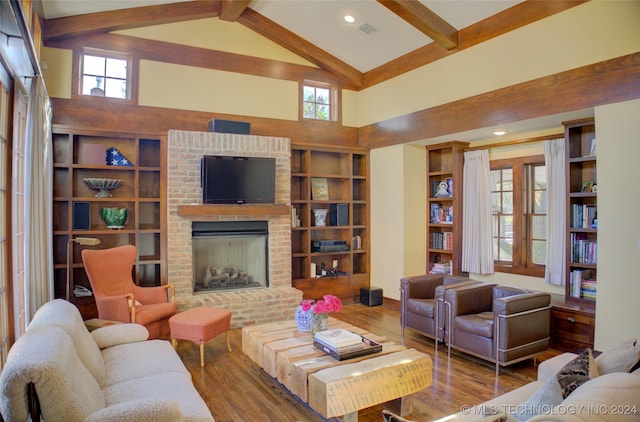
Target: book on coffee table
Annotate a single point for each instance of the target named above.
(338, 338)
(364, 348)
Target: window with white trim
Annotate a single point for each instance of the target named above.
(105, 74)
(319, 101)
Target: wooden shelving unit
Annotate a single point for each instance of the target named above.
(346, 174)
(444, 208)
(582, 230)
(573, 316)
(143, 194)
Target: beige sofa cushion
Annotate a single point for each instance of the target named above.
(610, 397)
(138, 360)
(65, 315)
(164, 386)
(46, 357)
(112, 335)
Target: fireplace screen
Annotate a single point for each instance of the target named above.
(229, 255)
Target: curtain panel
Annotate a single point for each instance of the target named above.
(38, 200)
(555, 165)
(477, 245)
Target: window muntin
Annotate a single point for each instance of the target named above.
(105, 75)
(519, 215)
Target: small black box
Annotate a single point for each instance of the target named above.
(371, 296)
(81, 216)
(339, 214)
(229, 126)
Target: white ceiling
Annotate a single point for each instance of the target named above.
(321, 22)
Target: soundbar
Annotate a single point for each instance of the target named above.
(329, 246)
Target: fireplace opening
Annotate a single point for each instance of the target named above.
(229, 255)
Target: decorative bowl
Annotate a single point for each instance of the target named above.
(103, 186)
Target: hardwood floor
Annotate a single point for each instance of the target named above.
(236, 389)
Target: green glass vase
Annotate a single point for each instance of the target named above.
(114, 217)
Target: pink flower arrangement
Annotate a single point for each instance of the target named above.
(328, 303)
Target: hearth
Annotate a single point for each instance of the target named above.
(229, 255)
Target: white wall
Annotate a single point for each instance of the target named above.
(415, 209)
(398, 215)
(387, 234)
(618, 141)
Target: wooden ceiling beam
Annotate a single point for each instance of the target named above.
(298, 45)
(515, 17)
(425, 21)
(230, 10)
(75, 26)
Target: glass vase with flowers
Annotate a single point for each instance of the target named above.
(319, 311)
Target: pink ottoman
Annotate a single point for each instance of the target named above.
(200, 325)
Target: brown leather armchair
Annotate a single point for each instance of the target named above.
(501, 324)
(421, 302)
(118, 298)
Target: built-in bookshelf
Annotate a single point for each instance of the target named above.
(444, 205)
(332, 257)
(81, 154)
(582, 210)
(573, 314)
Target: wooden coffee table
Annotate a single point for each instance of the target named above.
(337, 388)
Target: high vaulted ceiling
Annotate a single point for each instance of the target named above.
(388, 37)
(383, 30)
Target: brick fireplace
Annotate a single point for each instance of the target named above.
(278, 301)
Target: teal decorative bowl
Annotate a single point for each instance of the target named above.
(114, 217)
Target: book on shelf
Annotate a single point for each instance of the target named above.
(442, 240)
(582, 250)
(338, 338)
(583, 216)
(356, 242)
(582, 284)
(364, 348)
(441, 214)
(440, 268)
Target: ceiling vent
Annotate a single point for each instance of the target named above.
(367, 29)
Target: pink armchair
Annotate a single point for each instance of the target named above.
(118, 298)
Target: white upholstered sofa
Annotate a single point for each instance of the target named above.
(608, 393)
(111, 374)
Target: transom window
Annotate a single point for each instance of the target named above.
(519, 215)
(319, 101)
(105, 74)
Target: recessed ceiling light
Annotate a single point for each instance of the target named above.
(499, 132)
(349, 18)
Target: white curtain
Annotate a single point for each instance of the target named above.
(38, 200)
(477, 246)
(554, 157)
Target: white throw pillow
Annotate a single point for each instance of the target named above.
(113, 335)
(542, 401)
(620, 358)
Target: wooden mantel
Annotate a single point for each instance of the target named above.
(244, 209)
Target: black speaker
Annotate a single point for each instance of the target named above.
(229, 126)
(81, 216)
(371, 296)
(339, 214)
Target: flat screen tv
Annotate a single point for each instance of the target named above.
(238, 180)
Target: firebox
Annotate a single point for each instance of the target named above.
(229, 255)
